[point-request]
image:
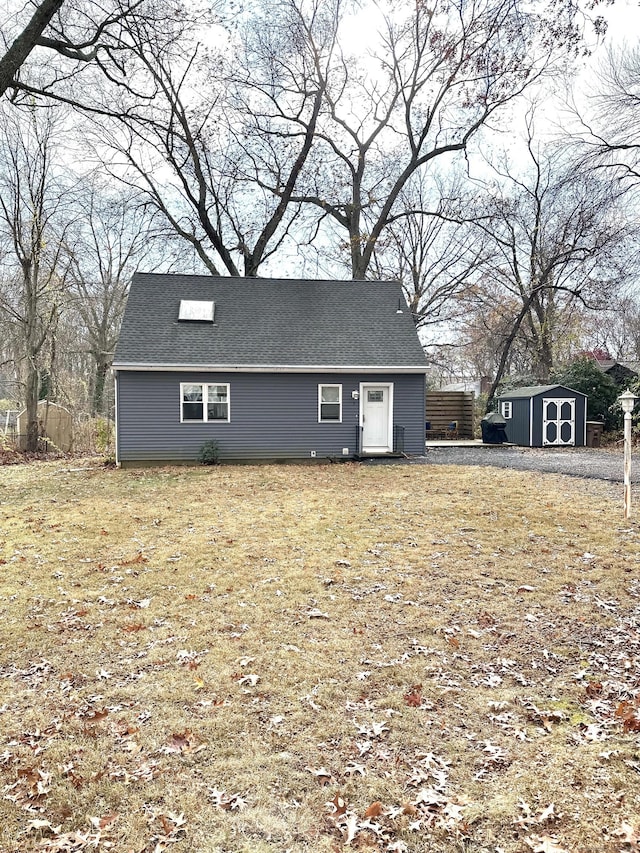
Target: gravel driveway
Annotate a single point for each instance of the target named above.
(575, 461)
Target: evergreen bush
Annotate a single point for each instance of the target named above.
(209, 453)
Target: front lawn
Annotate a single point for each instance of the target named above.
(268, 659)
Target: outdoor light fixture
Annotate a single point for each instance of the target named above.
(627, 401)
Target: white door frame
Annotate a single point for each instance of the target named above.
(559, 401)
(364, 387)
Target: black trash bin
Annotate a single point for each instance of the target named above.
(493, 429)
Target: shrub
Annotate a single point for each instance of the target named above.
(104, 434)
(209, 453)
(585, 376)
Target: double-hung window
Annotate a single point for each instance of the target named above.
(204, 402)
(506, 410)
(330, 403)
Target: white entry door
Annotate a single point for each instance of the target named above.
(558, 422)
(377, 418)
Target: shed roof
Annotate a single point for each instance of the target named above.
(267, 324)
(535, 390)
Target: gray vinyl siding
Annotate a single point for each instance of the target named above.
(273, 416)
(517, 426)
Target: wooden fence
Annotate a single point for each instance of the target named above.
(443, 407)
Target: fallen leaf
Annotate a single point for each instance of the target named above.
(41, 826)
(314, 613)
(322, 774)
(139, 558)
(374, 810)
(351, 827)
(628, 835)
(547, 814)
(137, 626)
(339, 805)
(545, 844)
(103, 822)
(413, 697)
(628, 713)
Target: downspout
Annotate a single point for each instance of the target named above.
(115, 401)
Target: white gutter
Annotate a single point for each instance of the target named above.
(266, 368)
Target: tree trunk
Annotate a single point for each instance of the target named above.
(506, 349)
(32, 387)
(21, 48)
(99, 381)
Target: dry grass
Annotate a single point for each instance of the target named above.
(203, 659)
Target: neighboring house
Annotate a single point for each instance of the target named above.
(623, 373)
(267, 368)
(477, 386)
(544, 416)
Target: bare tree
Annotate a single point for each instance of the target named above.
(112, 236)
(608, 132)
(25, 42)
(32, 200)
(559, 237)
(286, 132)
(434, 76)
(63, 36)
(194, 149)
(434, 254)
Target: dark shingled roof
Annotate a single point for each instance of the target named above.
(534, 390)
(268, 322)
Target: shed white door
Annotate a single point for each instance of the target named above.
(558, 421)
(377, 418)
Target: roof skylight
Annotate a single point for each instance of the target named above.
(196, 309)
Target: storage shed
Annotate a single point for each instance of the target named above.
(545, 416)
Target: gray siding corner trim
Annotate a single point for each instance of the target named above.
(266, 368)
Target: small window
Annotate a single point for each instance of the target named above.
(375, 396)
(192, 407)
(202, 402)
(217, 402)
(506, 410)
(330, 403)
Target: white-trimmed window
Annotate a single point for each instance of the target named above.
(330, 403)
(506, 410)
(204, 402)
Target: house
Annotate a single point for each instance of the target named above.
(544, 416)
(622, 373)
(268, 369)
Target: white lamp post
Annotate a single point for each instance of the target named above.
(627, 400)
